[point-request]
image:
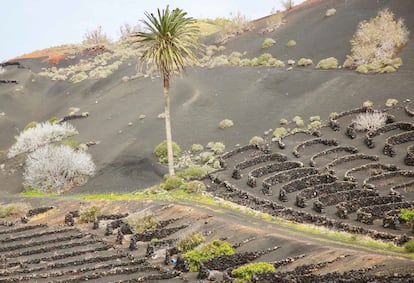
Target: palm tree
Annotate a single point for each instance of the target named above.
(169, 40)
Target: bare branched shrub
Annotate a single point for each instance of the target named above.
(330, 12)
(41, 134)
(55, 169)
(126, 30)
(235, 26)
(376, 43)
(288, 4)
(369, 121)
(95, 37)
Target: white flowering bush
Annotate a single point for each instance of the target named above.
(370, 121)
(42, 134)
(56, 169)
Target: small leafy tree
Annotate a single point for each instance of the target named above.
(169, 42)
(408, 216)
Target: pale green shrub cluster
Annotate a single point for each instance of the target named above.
(305, 62)
(330, 12)
(376, 43)
(226, 123)
(268, 42)
(291, 43)
(328, 63)
(256, 140)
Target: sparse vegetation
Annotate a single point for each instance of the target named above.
(409, 246)
(328, 63)
(226, 123)
(6, 210)
(279, 132)
(172, 182)
(305, 62)
(190, 241)
(193, 172)
(88, 215)
(315, 118)
(140, 224)
(245, 273)
(161, 151)
(376, 43)
(298, 121)
(193, 187)
(288, 4)
(369, 121)
(95, 37)
(283, 121)
(391, 102)
(233, 27)
(314, 125)
(291, 43)
(197, 147)
(408, 216)
(256, 140)
(330, 12)
(213, 249)
(217, 147)
(268, 42)
(368, 104)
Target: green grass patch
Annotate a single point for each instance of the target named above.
(210, 250)
(7, 210)
(190, 241)
(140, 224)
(89, 215)
(245, 273)
(34, 193)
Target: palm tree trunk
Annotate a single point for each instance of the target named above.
(168, 126)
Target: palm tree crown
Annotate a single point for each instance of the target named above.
(170, 40)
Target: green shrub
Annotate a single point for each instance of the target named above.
(362, 69)
(330, 12)
(161, 151)
(314, 125)
(7, 210)
(333, 115)
(376, 42)
(328, 63)
(197, 147)
(210, 250)
(279, 132)
(245, 273)
(78, 77)
(193, 187)
(207, 157)
(256, 140)
(264, 59)
(368, 104)
(173, 182)
(245, 62)
(1, 152)
(409, 246)
(291, 62)
(191, 241)
(388, 69)
(193, 172)
(391, 102)
(254, 62)
(88, 215)
(305, 62)
(268, 42)
(226, 123)
(291, 43)
(218, 147)
(315, 118)
(32, 124)
(143, 223)
(283, 121)
(300, 123)
(235, 58)
(221, 60)
(275, 63)
(408, 216)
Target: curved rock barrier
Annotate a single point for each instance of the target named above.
(308, 181)
(405, 126)
(395, 140)
(353, 205)
(325, 189)
(348, 149)
(239, 150)
(303, 145)
(333, 121)
(375, 166)
(368, 214)
(393, 190)
(282, 145)
(408, 111)
(349, 158)
(343, 196)
(257, 160)
(271, 168)
(288, 175)
(388, 175)
(409, 158)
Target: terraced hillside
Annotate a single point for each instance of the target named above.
(50, 244)
(334, 176)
